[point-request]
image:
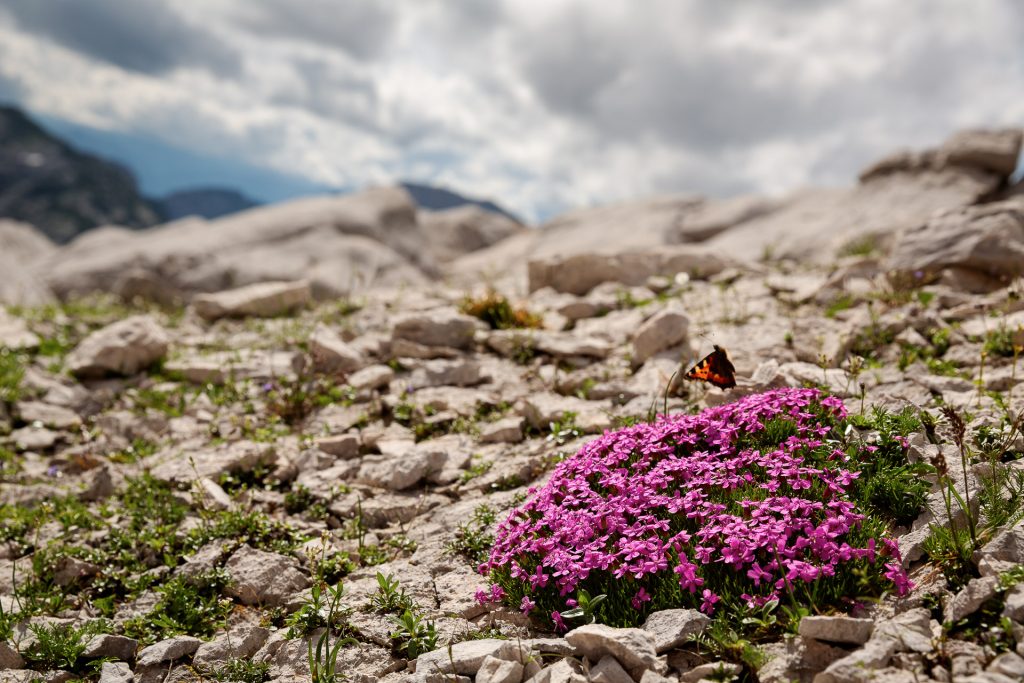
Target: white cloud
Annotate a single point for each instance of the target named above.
(539, 105)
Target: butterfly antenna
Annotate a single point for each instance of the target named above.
(668, 387)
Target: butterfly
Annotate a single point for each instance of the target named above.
(716, 368)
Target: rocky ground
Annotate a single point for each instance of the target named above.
(191, 468)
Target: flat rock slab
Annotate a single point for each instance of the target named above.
(240, 456)
(109, 645)
(264, 299)
(673, 627)
(331, 354)
(441, 327)
(633, 647)
(242, 643)
(14, 333)
(168, 650)
(122, 348)
(466, 657)
(55, 417)
(259, 577)
(837, 629)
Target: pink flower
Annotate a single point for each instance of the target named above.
(526, 605)
(894, 572)
(635, 502)
(559, 622)
(708, 605)
(640, 598)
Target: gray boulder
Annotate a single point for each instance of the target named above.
(264, 299)
(125, 348)
(453, 232)
(338, 243)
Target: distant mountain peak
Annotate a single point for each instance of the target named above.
(206, 202)
(49, 184)
(439, 198)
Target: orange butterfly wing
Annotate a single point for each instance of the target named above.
(716, 368)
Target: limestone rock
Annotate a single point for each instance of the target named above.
(673, 627)
(441, 327)
(580, 273)
(9, 657)
(109, 645)
(970, 598)
(14, 332)
(711, 671)
(240, 456)
(562, 671)
(608, 670)
(125, 347)
(344, 446)
(838, 629)
(1008, 664)
(495, 670)
(633, 647)
(1007, 546)
(398, 473)
(264, 299)
(239, 643)
(1013, 606)
(875, 654)
(115, 672)
(663, 330)
(331, 354)
(337, 243)
(371, 377)
(464, 658)
(168, 650)
(505, 430)
(259, 577)
(993, 150)
(445, 373)
(463, 229)
(987, 240)
(48, 415)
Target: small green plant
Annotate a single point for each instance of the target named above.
(889, 484)
(473, 539)
(414, 635)
(840, 303)
(586, 607)
(60, 646)
(139, 449)
(999, 497)
(242, 671)
(12, 370)
(1000, 342)
(495, 310)
(292, 400)
(626, 299)
(297, 499)
(323, 661)
(564, 430)
(871, 339)
(860, 246)
(390, 596)
(186, 607)
(477, 469)
(320, 610)
(722, 640)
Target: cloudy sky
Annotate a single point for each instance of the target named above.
(540, 104)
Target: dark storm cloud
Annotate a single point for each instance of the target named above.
(362, 28)
(139, 35)
(333, 91)
(691, 90)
